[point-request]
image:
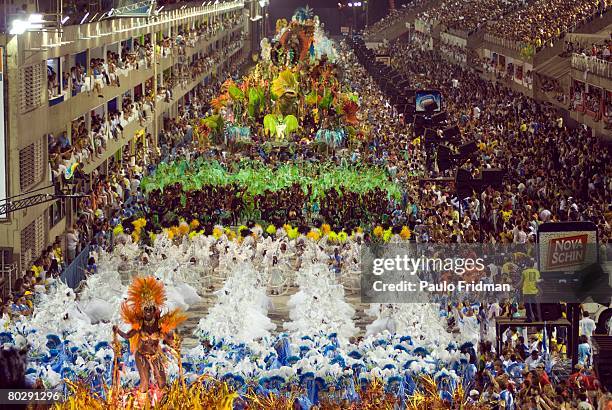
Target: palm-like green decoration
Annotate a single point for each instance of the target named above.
(236, 93)
(285, 84)
(256, 101)
(258, 179)
(292, 123)
(270, 122)
(311, 98)
(327, 99)
(280, 126)
(215, 123)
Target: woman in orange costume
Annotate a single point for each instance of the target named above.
(142, 310)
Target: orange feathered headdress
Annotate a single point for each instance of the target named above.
(143, 292)
(146, 291)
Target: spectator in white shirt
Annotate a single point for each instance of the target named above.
(587, 325)
(72, 241)
(477, 111)
(533, 360)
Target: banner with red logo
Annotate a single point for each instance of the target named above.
(567, 246)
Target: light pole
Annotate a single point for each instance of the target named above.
(353, 6)
(38, 21)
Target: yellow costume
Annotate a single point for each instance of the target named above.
(142, 310)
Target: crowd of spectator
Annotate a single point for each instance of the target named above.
(457, 53)
(554, 89)
(593, 99)
(590, 99)
(507, 125)
(44, 270)
(424, 41)
(566, 183)
(532, 24)
(469, 16)
(52, 83)
(541, 22)
(519, 377)
(85, 145)
(506, 72)
(104, 72)
(599, 50)
(394, 16)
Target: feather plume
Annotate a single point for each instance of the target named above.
(285, 84)
(131, 316)
(146, 291)
(171, 320)
(219, 102)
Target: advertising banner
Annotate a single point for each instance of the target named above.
(3, 165)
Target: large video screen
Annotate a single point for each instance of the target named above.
(428, 101)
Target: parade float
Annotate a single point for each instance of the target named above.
(293, 94)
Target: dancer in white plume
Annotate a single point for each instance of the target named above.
(102, 293)
(421, 321)
(240, 314)
(384, 319)
(468, 324)
(319, 306)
